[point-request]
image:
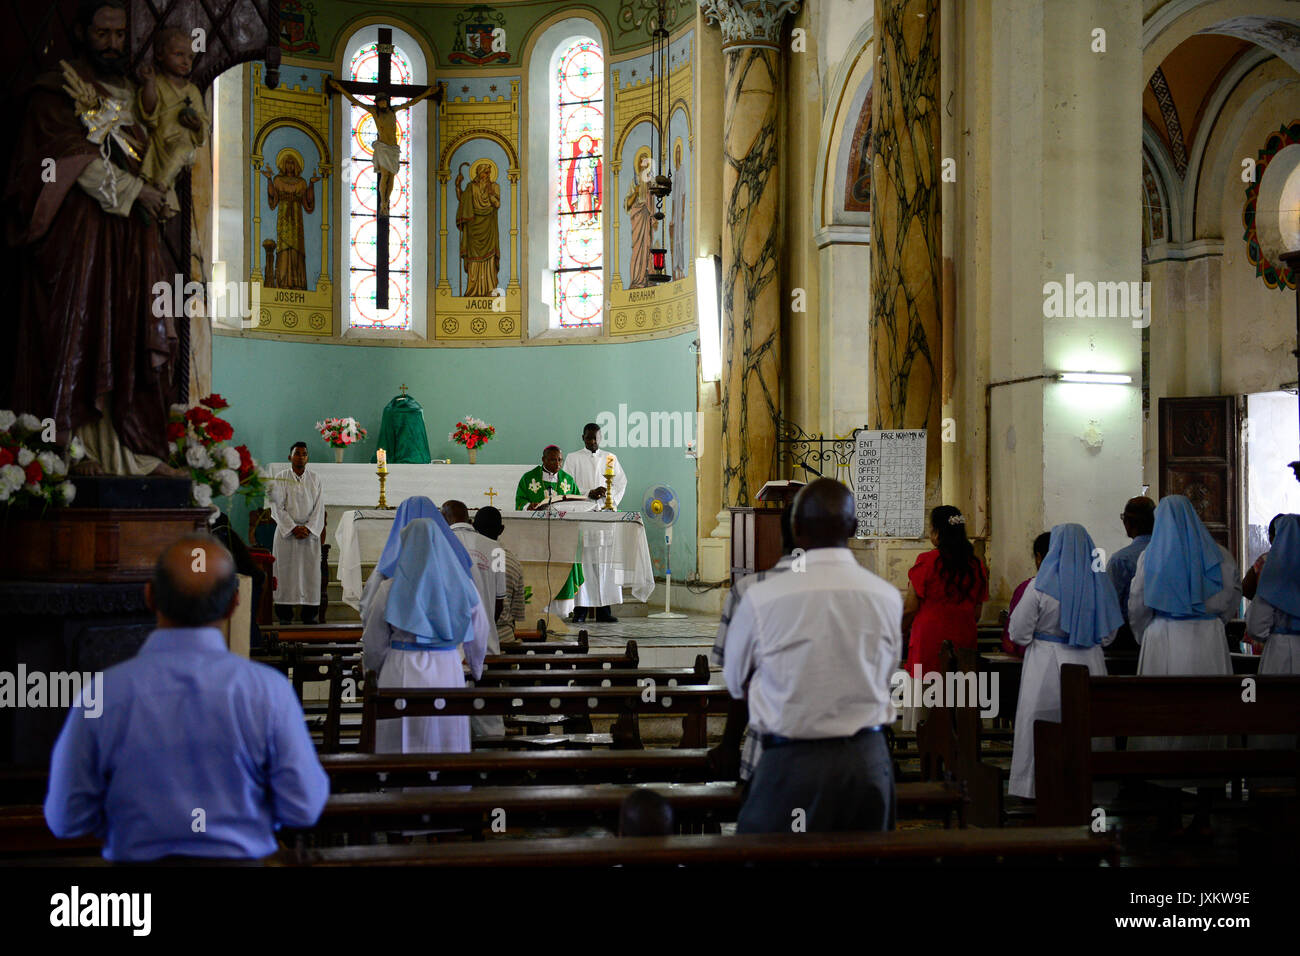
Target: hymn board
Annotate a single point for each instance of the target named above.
(889, 483)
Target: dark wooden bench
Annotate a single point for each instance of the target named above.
(533, 647)
(614, 676)
(23, 831)
(1061, 845)
(1065, 765)
(630, 657)
(352, 772)
(330, 632)
(626, 704)
(475, 810)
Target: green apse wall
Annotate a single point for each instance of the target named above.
(534, 395)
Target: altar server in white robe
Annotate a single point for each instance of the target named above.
(1274, 616)
(416, 506)
(602, 584)
(1068, 613)
(297, 503)
(420, 617)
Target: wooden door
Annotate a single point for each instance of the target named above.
(1199, 444)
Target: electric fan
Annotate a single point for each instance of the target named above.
(661, 508)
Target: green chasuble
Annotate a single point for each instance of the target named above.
(533, 490)
(402, 434)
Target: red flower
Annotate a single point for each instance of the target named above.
(215, 402)
(34, 472)
(245, 460)
(199, 416)
(6, 457)
(175, 431)
(470, 442)
(220, 430)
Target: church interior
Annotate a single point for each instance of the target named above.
(625, 285)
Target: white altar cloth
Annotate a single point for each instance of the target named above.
(358, 485)
(531, 535)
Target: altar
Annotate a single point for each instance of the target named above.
(546, 543)
(358, 485)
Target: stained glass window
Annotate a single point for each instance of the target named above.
(363, 210)
(578, 90)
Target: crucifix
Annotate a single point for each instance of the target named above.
(386, 155)
(403, 390)
(491, 496)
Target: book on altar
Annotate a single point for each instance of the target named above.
(560, 499)
(782, 491)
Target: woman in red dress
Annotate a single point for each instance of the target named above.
(947, 587)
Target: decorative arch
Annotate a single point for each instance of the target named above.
(1272, 25)
(281, 121)
(448, 149)
(631, 124)
(850, 90)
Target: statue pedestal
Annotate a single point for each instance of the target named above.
(72, 600)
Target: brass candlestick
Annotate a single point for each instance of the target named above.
(609, 485)
(382, 472)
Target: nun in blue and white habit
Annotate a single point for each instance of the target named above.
(1068, 613)
(424, 613)
(416, 506)
(1274, 616)
(1185, 590)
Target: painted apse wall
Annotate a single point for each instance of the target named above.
(296, 361)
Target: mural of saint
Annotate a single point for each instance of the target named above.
(677, 225)
(641, 209)
(290, 195)
(476, 218)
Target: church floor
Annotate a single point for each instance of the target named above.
(660, 642)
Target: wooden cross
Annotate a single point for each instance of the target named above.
(388, 88)
(403, 390)
(491, 496)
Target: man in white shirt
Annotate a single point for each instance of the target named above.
(600, 587)
(489, 573)
(487, 522)
(814, 648)
(297, 504)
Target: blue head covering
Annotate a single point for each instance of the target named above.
(432, 595)
(1089, 606)
(1183, 565)
(417, 506)
(1279, 582)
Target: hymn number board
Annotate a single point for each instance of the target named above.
(889, 483)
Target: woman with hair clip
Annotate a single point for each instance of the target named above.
(947, 588)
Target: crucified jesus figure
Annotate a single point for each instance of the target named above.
(386, 156)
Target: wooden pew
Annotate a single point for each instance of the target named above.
(330, 632)
(1060, 845)
(532, 647)
(1065, 765)
(475, 810)
(695, 703)
(616, 677)
(361, 772)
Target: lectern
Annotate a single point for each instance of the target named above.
(756, 531)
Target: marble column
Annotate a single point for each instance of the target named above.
(906, 248)
(751, 240)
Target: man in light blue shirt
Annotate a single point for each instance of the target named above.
(197, 752)
(1139, 518)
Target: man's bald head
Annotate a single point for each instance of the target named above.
(645, 813)
(455, 512)
(194, 583)
(824, 516)
(1139, 516)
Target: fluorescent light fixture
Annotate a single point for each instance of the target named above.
(1094, 378)
(706, 301)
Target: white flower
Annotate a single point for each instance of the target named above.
(196, 456)
(25, 457)
(51, 463)
(230, 456)
(11, 477)
(202, 494)
(171, 448)
(36, 490)
(67, 491)
(76, 450)
(229, 481)
(4, 493)
(7, 419)
(179, 410)
(29, 422)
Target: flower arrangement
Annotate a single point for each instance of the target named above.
(199, 440)
(341, 432)
(472, 433)
(33, 471)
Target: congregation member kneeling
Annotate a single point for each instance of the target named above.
(198, 753)
(814, 648)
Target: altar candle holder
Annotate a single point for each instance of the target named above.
(609, 483)
(382, 472)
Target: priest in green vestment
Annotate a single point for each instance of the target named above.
(402, 434)
(534, 488)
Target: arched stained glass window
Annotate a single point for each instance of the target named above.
(363, 205)
(577, 233)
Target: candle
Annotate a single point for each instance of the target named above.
(383, 457)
